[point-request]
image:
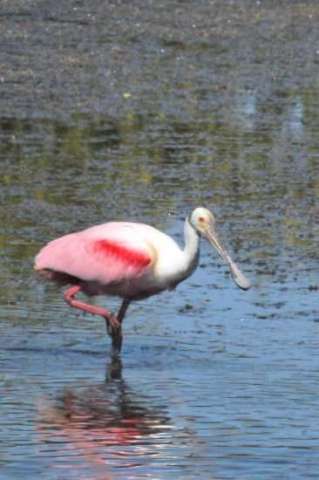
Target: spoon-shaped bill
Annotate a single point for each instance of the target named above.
(238, 277)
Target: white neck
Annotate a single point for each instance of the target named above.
(191, 249)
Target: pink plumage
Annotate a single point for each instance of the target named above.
(100, 256)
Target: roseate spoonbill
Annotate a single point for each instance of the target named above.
(129, 260)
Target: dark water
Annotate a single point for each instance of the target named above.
(133, 110)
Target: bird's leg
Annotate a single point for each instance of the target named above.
(69, 296)
(116, 332)
(122, 310)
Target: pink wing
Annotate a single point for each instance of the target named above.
(107, 253)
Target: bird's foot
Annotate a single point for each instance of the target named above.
(114, 330)
(112, 324)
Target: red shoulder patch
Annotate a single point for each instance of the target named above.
(125, 254)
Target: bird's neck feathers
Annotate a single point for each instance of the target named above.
(191, 249)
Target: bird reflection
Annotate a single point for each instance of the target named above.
(104, 422)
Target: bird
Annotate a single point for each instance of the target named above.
(129, 260)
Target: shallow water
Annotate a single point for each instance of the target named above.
(142, 112)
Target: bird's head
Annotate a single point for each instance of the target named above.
(203, 221)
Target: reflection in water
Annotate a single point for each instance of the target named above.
(244, 111)
(295, 118)
(102, 424)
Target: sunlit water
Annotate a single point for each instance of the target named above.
(133, 111)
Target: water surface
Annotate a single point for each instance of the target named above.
(143, 111)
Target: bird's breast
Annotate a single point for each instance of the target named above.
(174, 268)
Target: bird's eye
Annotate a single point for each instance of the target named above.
(201, 219)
